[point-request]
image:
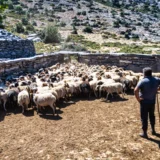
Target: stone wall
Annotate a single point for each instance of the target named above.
(12, 46)
(16, 49)
(28, 65)
(135, 62)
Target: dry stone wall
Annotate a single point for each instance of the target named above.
(16, 49)
(12, 46)
(135, 62)
(28, 65)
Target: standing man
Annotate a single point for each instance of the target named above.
(145, 93)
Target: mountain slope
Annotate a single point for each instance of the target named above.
(127, 20)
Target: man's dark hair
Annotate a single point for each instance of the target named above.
(147, 71)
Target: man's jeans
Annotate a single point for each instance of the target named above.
(145, 110)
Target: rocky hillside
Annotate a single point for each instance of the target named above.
(125, 20)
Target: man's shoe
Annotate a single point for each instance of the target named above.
(143, 135)
(154, 133)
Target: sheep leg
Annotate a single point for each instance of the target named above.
(4, 105)
(22, 109)
(53, 109)
(107, 96)
(27, 107)
(95, 93)
(37, 109)
(100, 92)
(122, 94)
(111, 94)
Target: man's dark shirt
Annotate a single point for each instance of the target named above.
(148, 88)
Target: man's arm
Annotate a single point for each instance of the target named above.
(136, 93)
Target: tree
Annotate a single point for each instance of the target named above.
(3, 6)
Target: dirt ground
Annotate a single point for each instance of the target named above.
(84, 129)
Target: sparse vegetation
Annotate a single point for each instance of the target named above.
(73, 47)
(126, 48)
(86, 43)
(79, 17)
(41, 47)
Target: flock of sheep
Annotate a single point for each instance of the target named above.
(62, 81)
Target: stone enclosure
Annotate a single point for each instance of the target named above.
(135, 62)
(12, 47)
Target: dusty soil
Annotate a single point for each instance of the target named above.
(92, 129)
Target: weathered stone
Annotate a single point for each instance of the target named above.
(14, 47)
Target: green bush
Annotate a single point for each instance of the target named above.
(84, 13)
(88, 29)
(62, 24)
(116, 24)
(10, 5)
(19, 28)
(50, 34)
(30, 27)
(74, 30)
(24, 21)
(34, 23)
(19, 9)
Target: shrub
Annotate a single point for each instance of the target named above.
(50, 34)
(79, 6)
(116, 24)
(88, 29)
(19, 28)
(19, 9)
(34, 23)
(84, 13)
(29, 27)
(62, 24)
(135, 36)
(74, 30)
(10, 5)
(24, 21)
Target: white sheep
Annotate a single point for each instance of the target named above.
(41, 90)
(111, 88)
(45, 99)
(23, 99)
(133, 80)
